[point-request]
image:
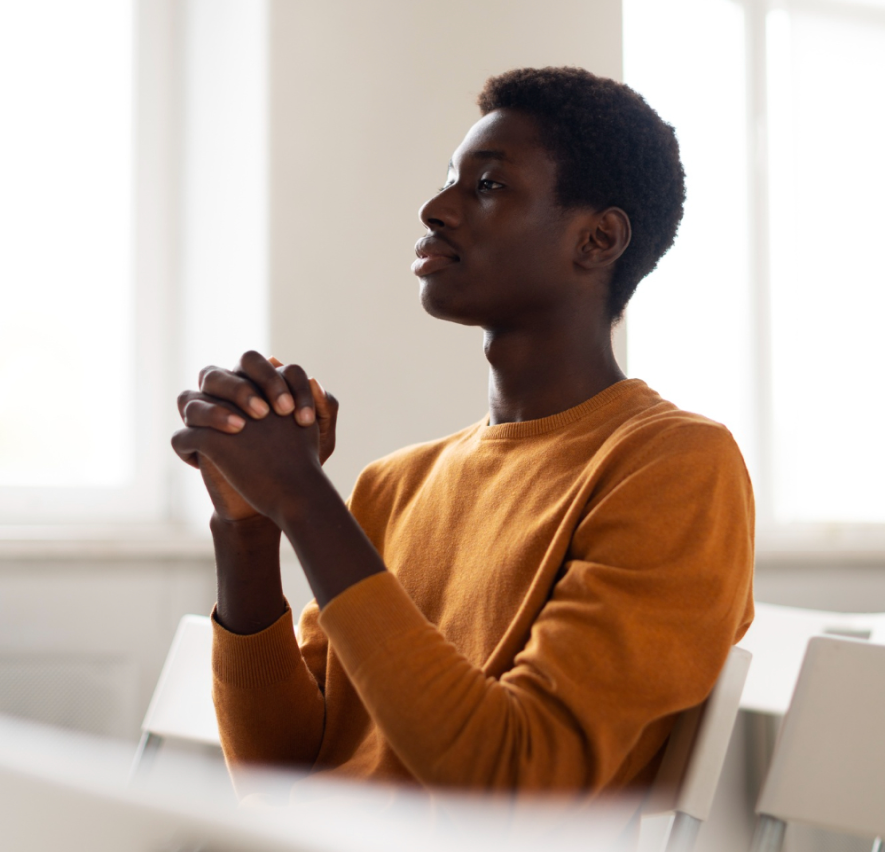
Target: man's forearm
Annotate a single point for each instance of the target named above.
(333, 550)
(247, 559)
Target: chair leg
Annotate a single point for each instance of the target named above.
(769, 834)
(144, 758)
(683, 833)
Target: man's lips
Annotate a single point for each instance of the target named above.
(431, 263)
(433, 254)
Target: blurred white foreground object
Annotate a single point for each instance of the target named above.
(828, 768)
(778, 638)
(689, 773)
(61, 791)
(181, 707)
(66, 791)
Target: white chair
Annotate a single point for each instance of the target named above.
(828, 767)
(777, 640)
(692, 763)
(181, 707)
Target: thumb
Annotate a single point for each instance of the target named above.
(320, 400)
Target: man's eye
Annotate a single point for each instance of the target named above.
(486, 184)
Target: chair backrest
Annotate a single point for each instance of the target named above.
(828, 768)
(181, 706)
(692, 763)
(778, 638)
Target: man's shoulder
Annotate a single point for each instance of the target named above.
(650, 427)
(671, 441)
(666, 424)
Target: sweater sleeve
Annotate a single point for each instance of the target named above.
(656, 588)
(269, 705)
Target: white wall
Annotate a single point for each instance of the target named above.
(84, 630)
(368, 102)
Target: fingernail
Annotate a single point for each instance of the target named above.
(285, 403)
(235, 422)
(305, 416)
(259, 406)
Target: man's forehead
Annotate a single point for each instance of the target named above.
(503, 136)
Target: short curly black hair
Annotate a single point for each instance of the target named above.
(611, 149)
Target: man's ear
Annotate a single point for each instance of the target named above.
(604, 237)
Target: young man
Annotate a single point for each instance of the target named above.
(526, 604)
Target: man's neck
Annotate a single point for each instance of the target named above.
(537, 372)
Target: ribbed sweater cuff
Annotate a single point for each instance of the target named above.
(367, 614)
(256, 660)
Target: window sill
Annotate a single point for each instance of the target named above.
(156, 544)
(148, 543)
(168, 542)
(822, 546)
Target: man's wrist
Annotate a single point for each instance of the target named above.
(247, 560)
(332, 548)
(255, 529)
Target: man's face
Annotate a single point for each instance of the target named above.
(499, 250)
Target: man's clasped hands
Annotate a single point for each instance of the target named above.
(254, 432)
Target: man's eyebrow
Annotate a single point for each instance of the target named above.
(487, 155)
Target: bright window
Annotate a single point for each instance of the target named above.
(133, 220)
(766, 314)
(66, 265)
(80, 409)
(827, 135)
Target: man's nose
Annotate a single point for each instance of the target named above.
(441, 212)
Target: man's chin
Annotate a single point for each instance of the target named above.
(444, 304)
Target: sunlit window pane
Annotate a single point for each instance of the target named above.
(66, 351)
(827, 137)
(688, 327)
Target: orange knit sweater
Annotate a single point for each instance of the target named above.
(557, 590)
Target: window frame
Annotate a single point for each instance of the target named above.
(201, 195)
(145, 499)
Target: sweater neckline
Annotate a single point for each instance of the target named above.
(543, 425)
